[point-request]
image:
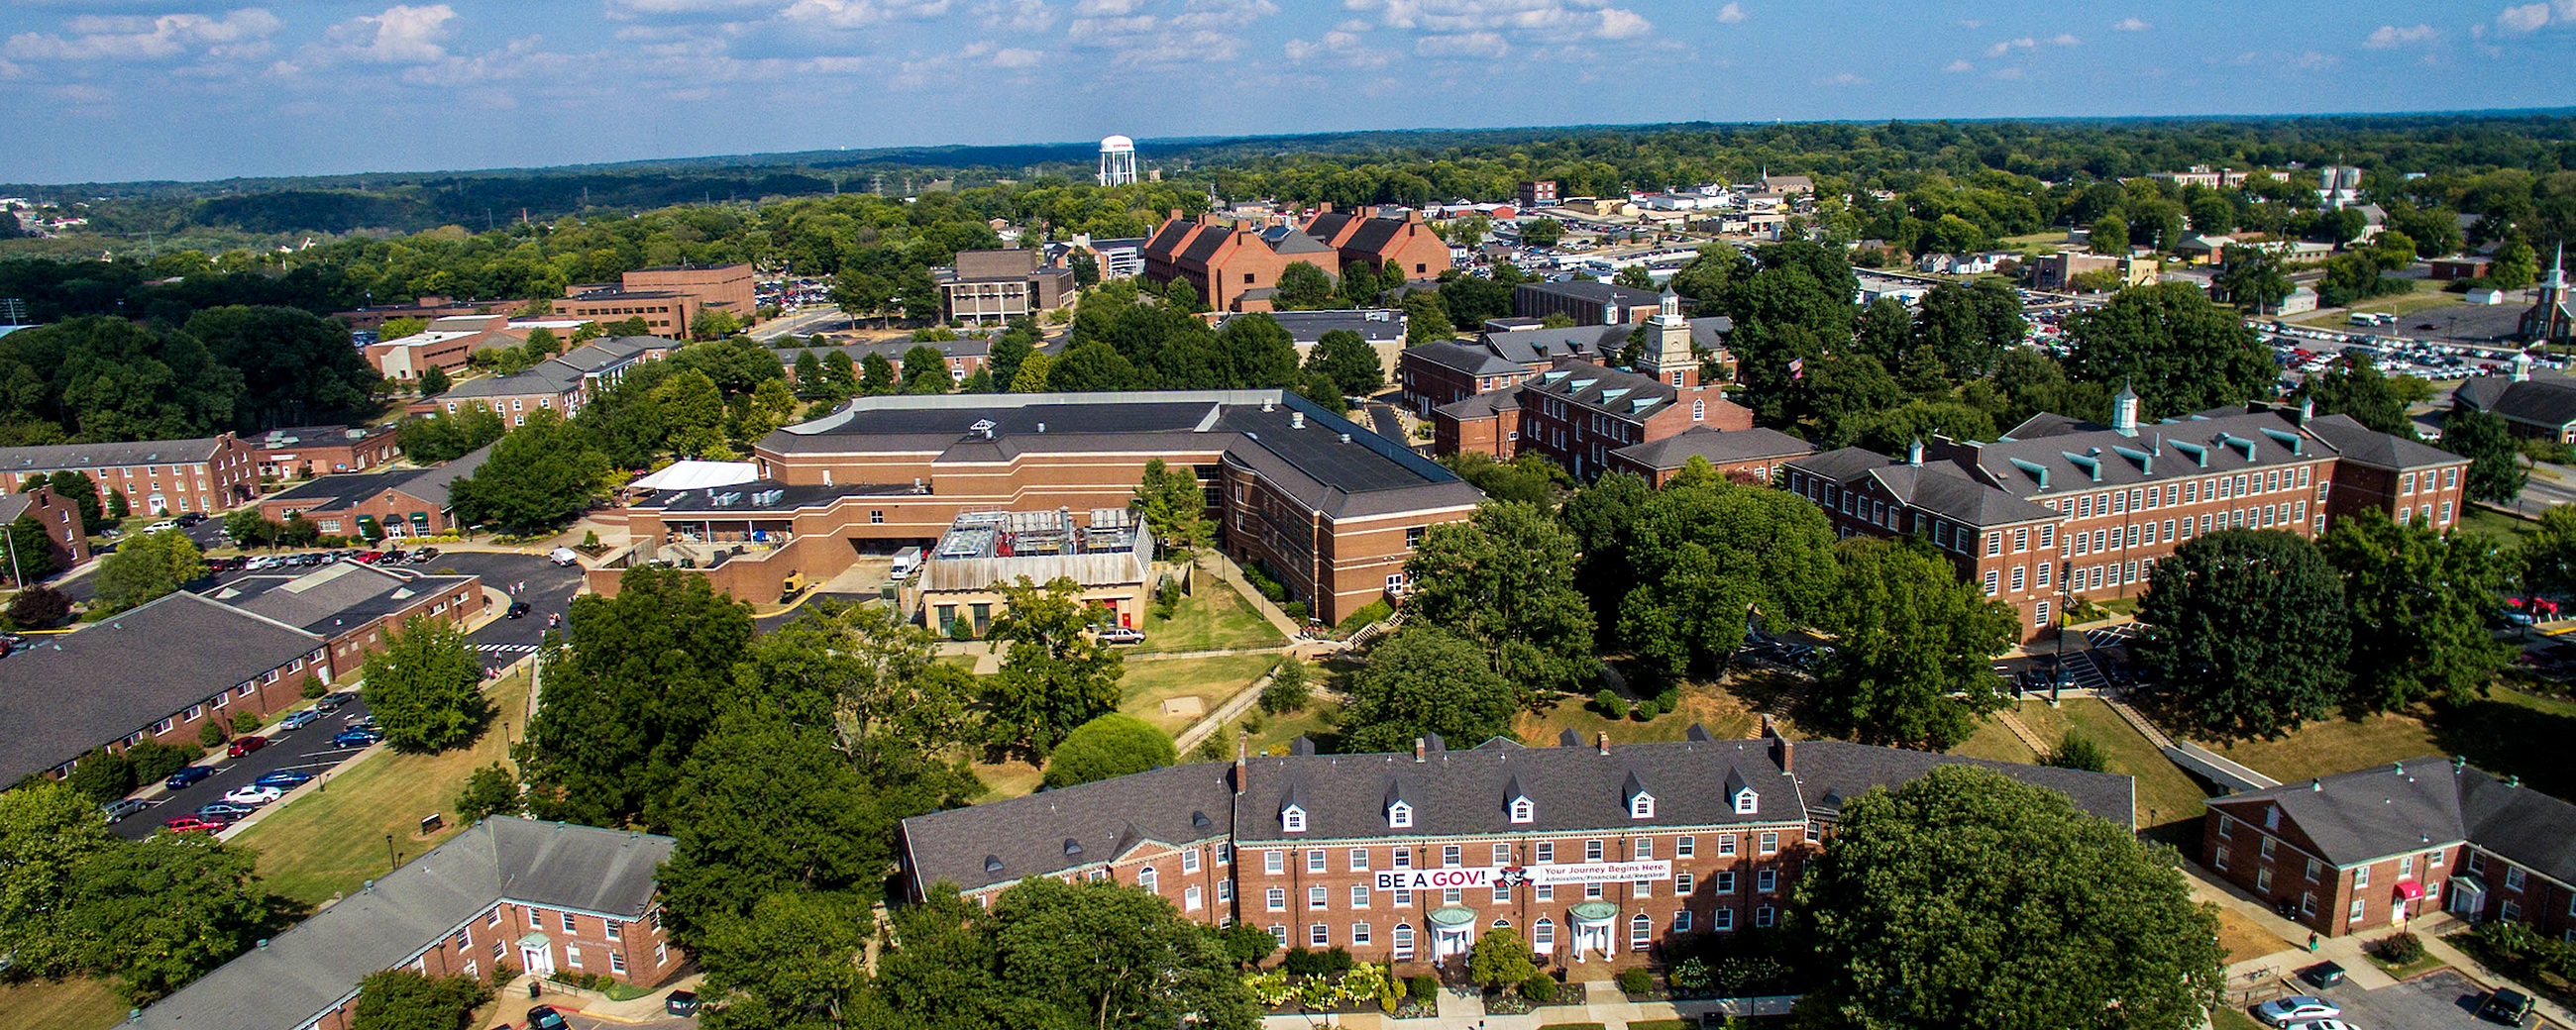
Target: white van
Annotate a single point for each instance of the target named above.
(564, 556)
(905, 561)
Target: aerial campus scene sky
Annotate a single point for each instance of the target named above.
(110, 90)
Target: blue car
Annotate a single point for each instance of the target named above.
(299, 720)
(356, 738)
(191, 774)
(283, 778)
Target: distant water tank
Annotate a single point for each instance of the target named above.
(1117, 161)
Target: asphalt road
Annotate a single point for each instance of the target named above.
(2436, 1001)
(305, 750)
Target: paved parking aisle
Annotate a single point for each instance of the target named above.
(2443, 1000)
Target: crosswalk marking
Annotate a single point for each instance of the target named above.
(506, 648)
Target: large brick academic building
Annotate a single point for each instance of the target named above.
(1329, 508)
(1594, 852)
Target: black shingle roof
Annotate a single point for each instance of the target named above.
(2366, 446)
(1716, 445)
(2398, 807)
(49, 457)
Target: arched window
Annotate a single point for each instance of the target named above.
(1145, 878)
(1640, 930)
(1543, 933)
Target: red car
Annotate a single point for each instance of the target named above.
(245, 745)
(186, 823)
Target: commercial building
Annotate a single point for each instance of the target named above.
(1594, 853)
(668, 298)
(395, 503)
(2364, 851)
(2059, 509)
(1585, 301)
(1329, 508)
(1110, 557)
(2056, 272)
(303, 451)
(66, 539)
(1755, 454)
(537, 896)
(1000, 285)
(1232, 267)
(1535, 193)
(204, 474)
(1382, 240)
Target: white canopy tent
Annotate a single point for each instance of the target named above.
(698, 475)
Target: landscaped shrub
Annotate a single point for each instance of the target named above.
(1636, 981)
(154, 760)
(1646, 711)
(1301, 962)
(1662, 1024)
(244, 722)
(2401, 948)
(211, 734)
(1669, 699)
(1540, 990)
(1689, 974)
(1294, 610)
(1422, 985)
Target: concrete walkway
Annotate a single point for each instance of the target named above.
(1465, 1010)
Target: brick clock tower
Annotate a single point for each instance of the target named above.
(1668, 354)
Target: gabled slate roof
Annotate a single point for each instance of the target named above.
(49, 457)
(1007, 841)
(2398, 807)
(1716, 445)
(317, 964)
(2548, 398)
(1474, 361)
(2363, 445)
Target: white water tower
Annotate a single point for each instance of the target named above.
(1117, 161)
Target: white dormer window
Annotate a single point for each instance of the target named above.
(1746, 801)
(1523, 811)
(1399, 816)
(1642, 806)
(1292, 819)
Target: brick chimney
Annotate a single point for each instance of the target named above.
(1324, 207)
(1783, 750)
(1176, 214)
(1242, 751)
(1601, 742)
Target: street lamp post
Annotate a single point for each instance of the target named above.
(392, 861)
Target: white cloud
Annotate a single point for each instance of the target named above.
(1481, 45)
(1162, 32)
(2131, 24)
(2012, 74)
(1337, 47)
(137, 38)
(1730, 14)
(851, 14)
(1958, 66)
(2526, 18)
(2314, 61)
(1843, 79)
(624, 9)
(2007, 46)
(1352, 25)
(2387, 36)
(1971, 23)
(1106, 8)
(1018, 15)
(1017, 57)
(2064, 39)
(1585, 18)
(401, 35)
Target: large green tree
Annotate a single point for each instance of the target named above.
(1422, 680)
(1112, 745)
(110, 379)
(1174, 508)
(440, 436)
(30, 551)
(1599, 515)
(2496, 472)
(539, 476)
(785, 965)
(1056, 674)
(2356, 388)
(1702, 557)
(2246, 633)
(426, 687)
(47, 831)
(1969, 899)
(1969, 326)
(147, 568)
(2548, 552)
(297, 368)
(1303, 286)
(1913, 646)
(1504, 581)
(2419, 602)
(402, 999)
(765, 805)
(624, 706)
(1353, 366)
(2180, 352)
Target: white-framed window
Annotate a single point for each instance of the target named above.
(616, 963)
(2358, 906)
(536, 919)
(1403, 858)
(1190, 860)
(1293, 819)
(1641, 931)
(1224, 853)
(1451, 856)
(1359, 860)
(1523, 811)
(1545, 892)
(1684, 846)
(1502, 854)
(1725, 881)
(1399, 816)
(1682, 883)
(1502, 891)
(1404, 940)
(1726, 843)
(1762, 916)
(1190, 898)
(1543, 934)
(1641, 889)
(1766, 880)
(2361, 876)
(2513, 878)
(1747, 802)
(1359, 935)
(616, 929)
(2263, 879)
(1546, 851)
(1450, 896)
(1770, 841)
(1278, 899)
(1148, 879)
(1319, 935)
(1641, 807)
(2316, 870)
(572, 955)
(1315, 897)
(1224, 889)
(2271, 844)
(1314, 860)
(1592, 850)
(492, 918)
(1722, 919)
(1274, 862)
(569, 925)
(1681, 920)
(1359, 895)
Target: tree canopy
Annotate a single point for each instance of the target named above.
(1056, 674)
(1424, 680)
(1701, 557)
(2246, 633)
(2180, 352)
(1913, 646)
(538, 476)
(1111, 745)
(1969, 899)
(1504, 581)
(2418, 603)
(426, 687)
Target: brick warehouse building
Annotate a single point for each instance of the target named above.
(2369, 849)
(1330, 508)
(541, 897)
(2059, 508)
(1593, 852)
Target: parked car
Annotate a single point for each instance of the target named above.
(2323, 974)
(216, 809)
(1122, 635)
(253, 795)
(357, 738)
(191, 518)
(161, 525)
(424, 554)
(2297, 1008)
(331, 702)
(544, 1017)
(299, 720)
(2507, 1006)
(186, 823)
(245, 745)
(283, 778)
(118, 809)
(360, 720)
(517, 610)
(681, 1003)
(563, 556)
(187, 775)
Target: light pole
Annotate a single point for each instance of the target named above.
(392, 861)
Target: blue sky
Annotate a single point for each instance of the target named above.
(103, 90)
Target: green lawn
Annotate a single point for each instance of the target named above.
(1213, 680)
(2503, 528)
(85, 1003)
(1215, 618)
(329, 842)
(2506, 732)
(2169, 800)
(2224, 1018)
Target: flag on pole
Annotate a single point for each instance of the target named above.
(1797, 368)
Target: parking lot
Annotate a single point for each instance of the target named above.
(307, 750)
(2442, 1000)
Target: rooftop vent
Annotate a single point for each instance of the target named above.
(993, 863)
(1296, 420)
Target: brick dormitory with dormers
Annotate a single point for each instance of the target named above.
(2367, 850)
(1594, 852)
(2061, 509)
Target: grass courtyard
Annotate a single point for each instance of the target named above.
(2169, 801)
(1213, 619)
(82, 1003)
(331, 841)
(2506, 732)
(1147, 685)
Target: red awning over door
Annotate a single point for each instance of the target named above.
(2410, 890)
